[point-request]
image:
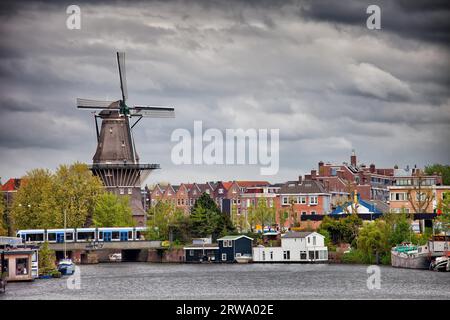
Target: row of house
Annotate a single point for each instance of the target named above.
(331, 189)
(295, 247)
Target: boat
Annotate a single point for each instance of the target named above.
(244, 259)
(407, 255)
(441, 264)
(115, 257)
(66, 266)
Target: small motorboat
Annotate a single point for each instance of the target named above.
(244, 259)
(115, 257)
(66, 266)
(441, 264)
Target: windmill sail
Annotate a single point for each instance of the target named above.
(93, 104)
(152, 112)
(122, 75)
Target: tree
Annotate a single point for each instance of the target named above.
(46, 259)
(283, 216)
(112, 211)
(3, 224)
(43, 198)
(206, 219)
(373, 240)
(419, 197)
(441, 169)
(164, 217)
(263, 215)
(76, 193)
(34, 205)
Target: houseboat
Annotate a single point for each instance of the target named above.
(407, 255)
(295, 247)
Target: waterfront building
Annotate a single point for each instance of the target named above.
(301, 198)
(295, 247)
(414, 192)
(232, 247)
(18, 261)
(201, 250)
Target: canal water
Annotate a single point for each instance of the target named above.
(236, 281)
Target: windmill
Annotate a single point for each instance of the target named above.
(116, 161)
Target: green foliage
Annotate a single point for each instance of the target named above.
(46, 260)
(206, 219)
(76, 192)
(163, 218)
(263, 215)
(444, 170)
(343, 230)
(43, 198)
(112, 211)
(35, 205)
(3, 225)
(373, 240)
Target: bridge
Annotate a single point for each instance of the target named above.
(95, 252)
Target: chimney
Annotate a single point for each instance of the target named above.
(372, 168)
(300, 179)
(353, 158)
(313, 174)
(320, 167)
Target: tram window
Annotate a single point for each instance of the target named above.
(87, 235)
(35, 237)
(69, 236)
(130, 234)
(51, 236)
(115, 235)
(100, 235)
(138, 235)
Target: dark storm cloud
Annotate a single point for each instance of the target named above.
(310, 69)
(417, 19)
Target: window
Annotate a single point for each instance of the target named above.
(121, 191)
(220, 191)
(311, 255)
(22, 266)
(398, 196)
(303, 213)
(264, 255)
(302, 200)
(287, 255)
(421, 196)
(314, 240)
(313, 212)
(309, 240)
(191, 253)
(130, 191)
(313, 200)
(271, 255)
(302, 255)
(238, 254)
(224, 257)
(285, 200)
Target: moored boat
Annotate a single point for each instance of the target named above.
(66, 266)
(410, 256)
(441, 264)
(244, 259)
(115, 257)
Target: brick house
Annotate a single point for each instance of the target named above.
(302, 197)
(413, 182)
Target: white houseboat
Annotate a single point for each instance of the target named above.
(295, 247)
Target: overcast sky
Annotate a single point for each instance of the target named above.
(311, 69)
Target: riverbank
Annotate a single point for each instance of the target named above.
(236, 281)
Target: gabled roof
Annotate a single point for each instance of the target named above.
(306, 186)
(11, 185)
(246, 184)
(234, 237)
(296, 234)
